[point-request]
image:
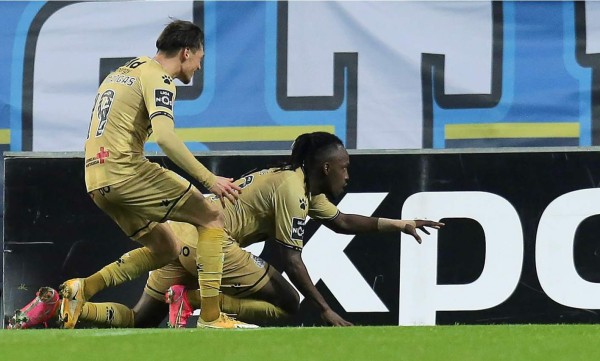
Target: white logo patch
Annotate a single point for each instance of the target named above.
(297, 229)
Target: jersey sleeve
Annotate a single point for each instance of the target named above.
(322, 209)
(158, 91)
(291, 208)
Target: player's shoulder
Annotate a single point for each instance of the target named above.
(290, 181)
(149, 71)
(284, 175)
(319, 198)
(275, 180)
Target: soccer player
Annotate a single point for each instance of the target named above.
(132, 103)
(273, 205)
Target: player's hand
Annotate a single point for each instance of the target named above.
(225, 188)
(421, 224)
(334, 319)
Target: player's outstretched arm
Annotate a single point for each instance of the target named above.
(296, 271)
(164, 132)
(355, 224)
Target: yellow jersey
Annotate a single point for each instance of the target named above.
(273, 205)
(126, 101)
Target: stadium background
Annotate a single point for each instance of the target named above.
(387, 75)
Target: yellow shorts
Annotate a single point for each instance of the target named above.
(154, 195)
(243, 273)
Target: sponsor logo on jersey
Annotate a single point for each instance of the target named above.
(91, 161)
(247, 181)
(167, 79)
(297, 229)
(100, 158)
(163, 98)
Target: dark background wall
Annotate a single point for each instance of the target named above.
(52, 231)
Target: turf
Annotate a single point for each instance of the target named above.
(446, 343)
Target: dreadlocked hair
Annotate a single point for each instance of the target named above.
(310, 148)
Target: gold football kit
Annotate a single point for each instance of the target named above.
(126, 102)
(273, 205)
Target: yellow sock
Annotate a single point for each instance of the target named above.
(93, 284)
(209, 260)
(131, 265)
(254, 311)
(108, 314)
(247, 310)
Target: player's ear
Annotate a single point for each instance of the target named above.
(326, 168)
(184, 54)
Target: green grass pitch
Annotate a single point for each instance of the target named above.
(444, 343)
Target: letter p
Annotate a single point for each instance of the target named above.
(420, 295)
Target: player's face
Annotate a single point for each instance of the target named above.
(337, 172)
(192, 62)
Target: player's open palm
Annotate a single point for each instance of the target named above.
(421, 224)
(225, 188)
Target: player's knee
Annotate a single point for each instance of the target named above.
(212, 217)
(201, 212)
(161, 243)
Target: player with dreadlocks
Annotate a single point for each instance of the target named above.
(273, 207)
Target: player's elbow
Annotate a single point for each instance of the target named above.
(166, 143)
(339, 227)
(340, 224)
(161, 140)
(163, 131)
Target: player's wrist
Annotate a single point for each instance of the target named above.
(208, 181)
(390, 225)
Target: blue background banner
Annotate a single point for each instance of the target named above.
(392, 75)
